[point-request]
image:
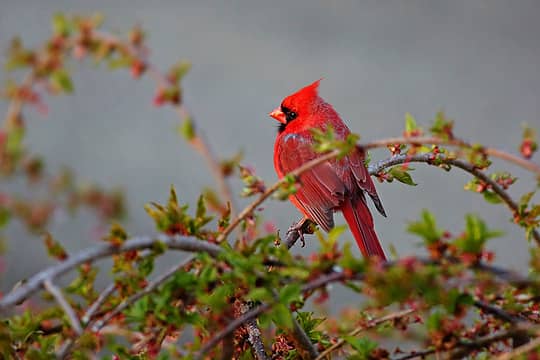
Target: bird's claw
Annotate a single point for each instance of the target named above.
(297, 228)
(300, 228)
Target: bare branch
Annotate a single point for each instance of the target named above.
(64, 304)
(35, 282)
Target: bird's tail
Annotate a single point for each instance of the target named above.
(360, 221)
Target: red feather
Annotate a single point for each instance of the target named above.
(335, 185)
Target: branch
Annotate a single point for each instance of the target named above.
(265, 195)
(151, 287)
(68, 344)
(497, 312)
(303, 339)
(64, 304)
(526, 164)
(522, 350)
(376, 168)
(370, 324)
(35, 282)
(98, 303)
(254, 335)
(255, 312)
(417, 354)
(428, 158)
(199, 142)
(465, 349)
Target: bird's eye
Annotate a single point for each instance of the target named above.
(291, 115)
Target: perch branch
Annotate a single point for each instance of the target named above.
(526, 164)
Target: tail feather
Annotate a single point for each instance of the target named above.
(360, 221)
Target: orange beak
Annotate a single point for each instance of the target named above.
(279, 115)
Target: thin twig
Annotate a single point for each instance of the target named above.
(85, 319)
(522, 350)
(497, 312)
(417, 354)
(465, 348)
(97, 304)
(64, 304)
(370, 324)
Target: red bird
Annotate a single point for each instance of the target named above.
(335, 185)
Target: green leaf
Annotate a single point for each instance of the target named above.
(178, 71)
(402, 175)
(289, 293)
(410, 123)
(434, 320)
(61, 81)
(282, 317)
(187, 129)
(524, 201)
(259, 294)
(363, 346)
(455, 298)
(475, 236)
(14, 143)
(5, 215)
(492, 197)
(61, 25)
(426, 228)
(146, 266)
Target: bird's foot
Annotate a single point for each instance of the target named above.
(297, 230)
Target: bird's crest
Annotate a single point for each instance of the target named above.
(304, 97)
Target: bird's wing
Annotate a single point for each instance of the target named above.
(320, 189)
(355, 165)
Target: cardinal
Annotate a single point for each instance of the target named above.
(335, 185)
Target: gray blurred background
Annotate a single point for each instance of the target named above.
(476, 59)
